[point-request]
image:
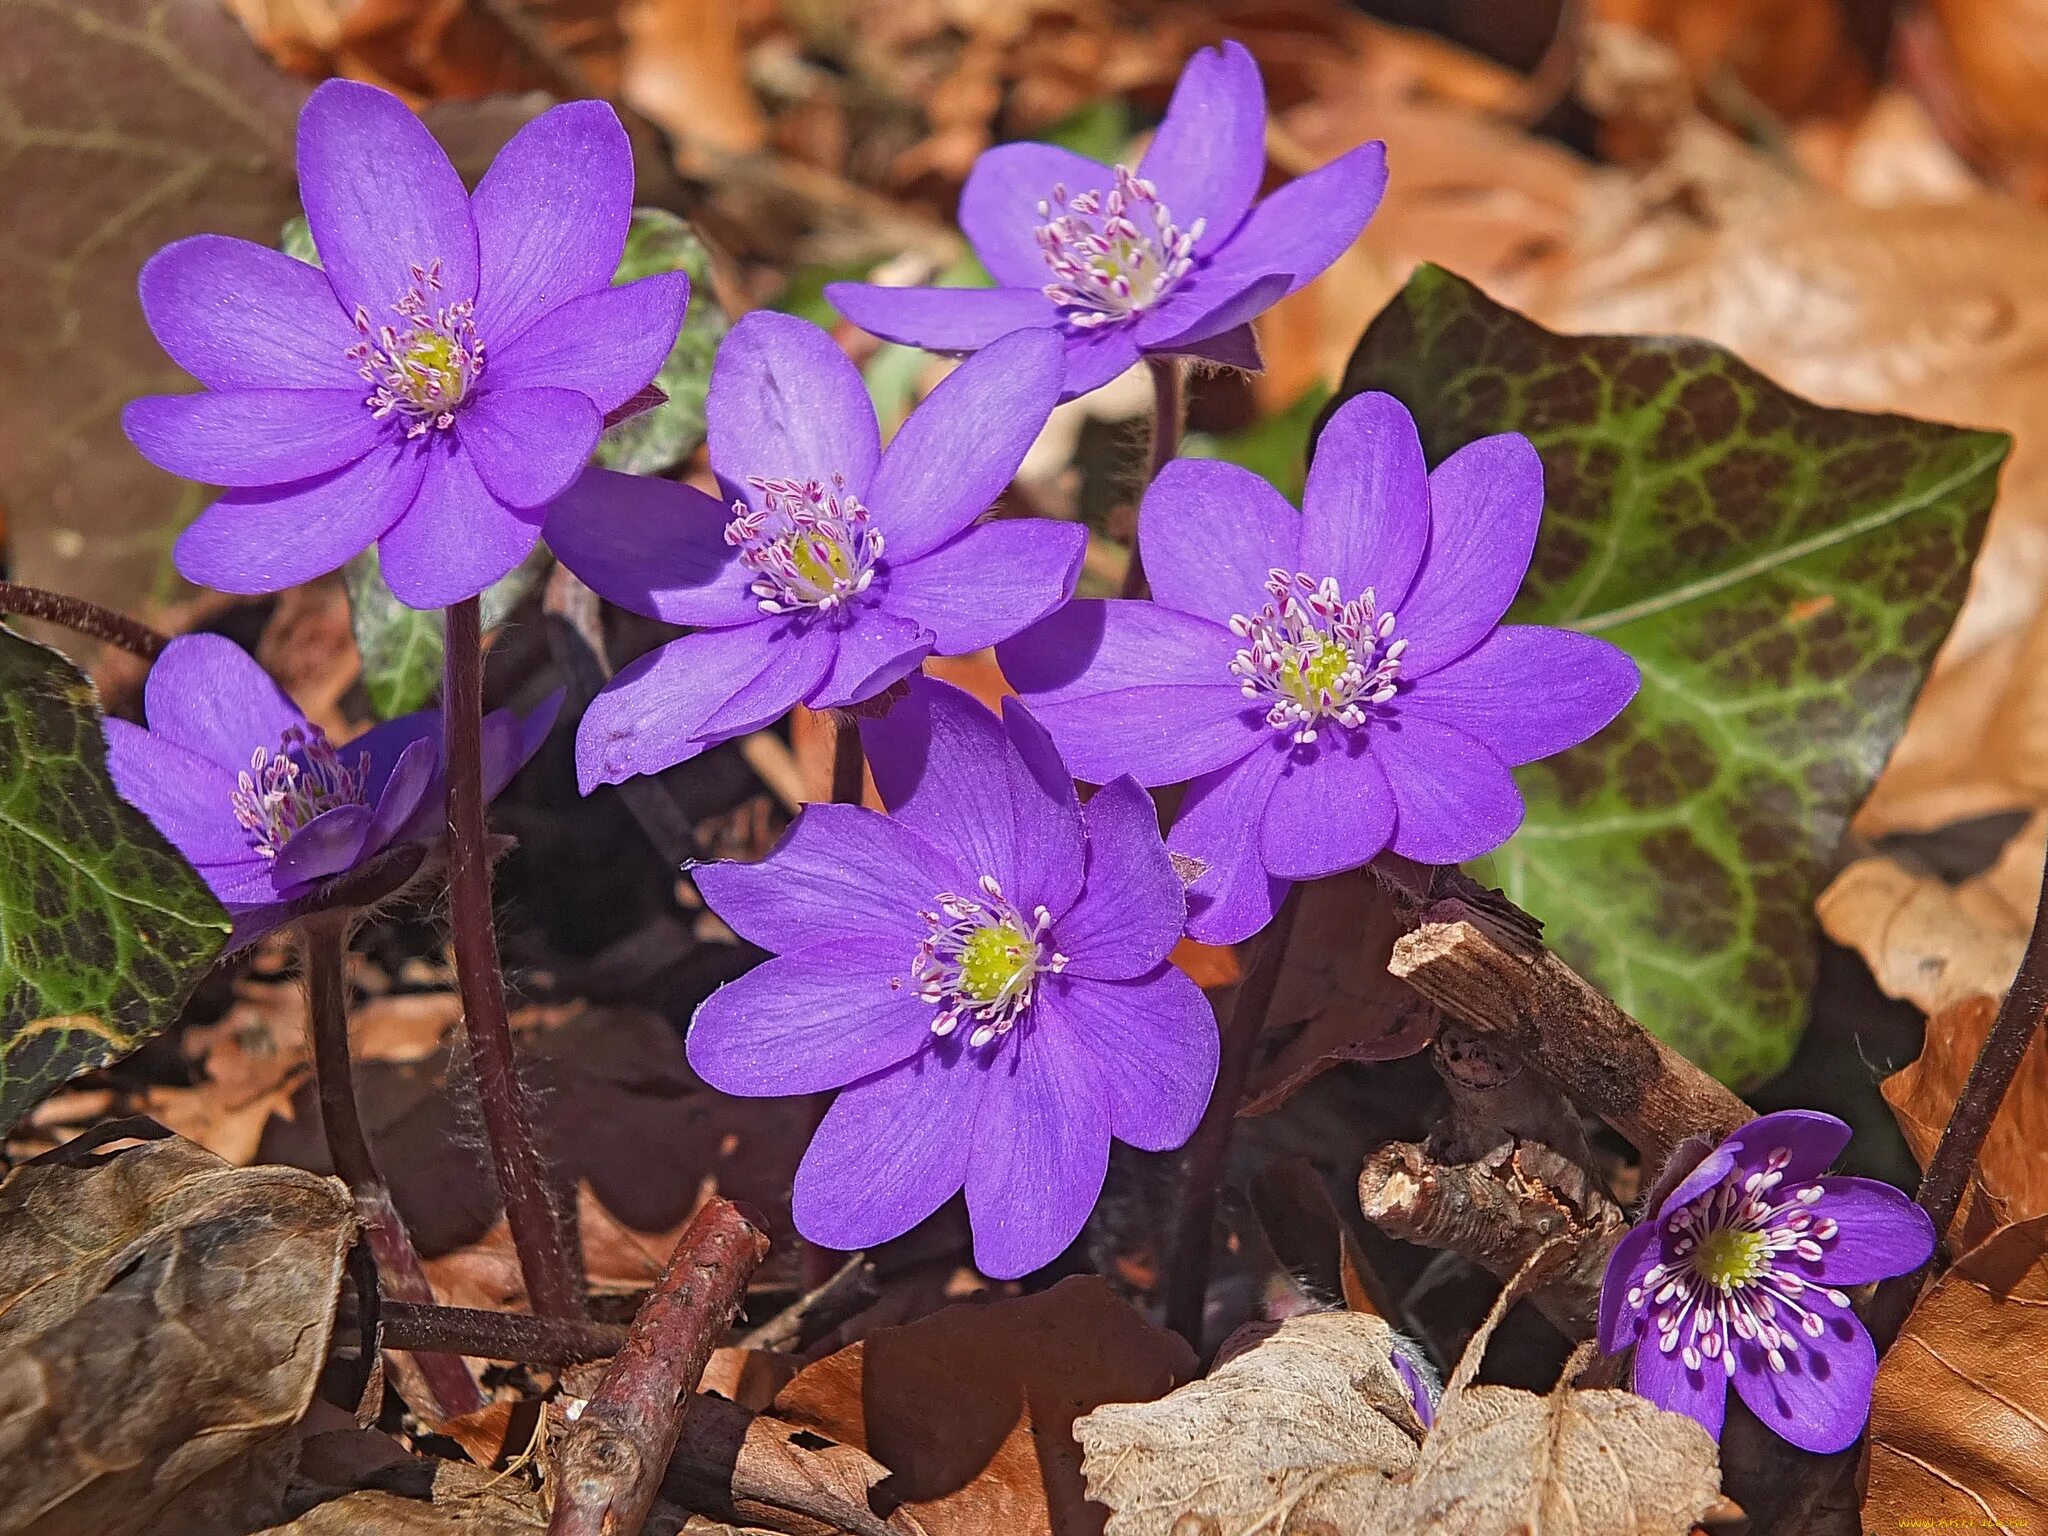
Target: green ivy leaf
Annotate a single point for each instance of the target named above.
(656, 441)
(104, 928)
(1781, 572)
(402, 647)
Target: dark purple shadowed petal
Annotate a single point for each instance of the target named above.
(1421, 1395)
(1308, 223)
(267, 540)
(551, 216)
(1132, 908)
(999, 205)
(1526, 691)
(528, 444)
(1095, 357)
(943, 319)
(1453, 799)
(950, 460)
(236, 315)
(510, 740)
(1821, 1399)
(1237, 348)
(205, 693)
(404, 789)
(818, 1018)
(1705, 1176)
(457, 538)
(787, 404)
(1665, 1381)
(1151, 1044)
(380, 198)
(839, 872)
(1209, 153)
(1219, 824)
(608, 345)
(652, 546)
(992, 581)
(875, 650)
(328, 844)
(1210, 532)
(1208, 304)
(185, 796)
(1485, 501)
(1883, 1233)
(252, 922)
(1365, 513)
(1628, 1263)
(251, 437)
(1814, 1139)
(1331, 810)
(1129, 687)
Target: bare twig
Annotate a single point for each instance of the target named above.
(1169, 411)
(851, 1288)
(512, 1336)
(82, 617)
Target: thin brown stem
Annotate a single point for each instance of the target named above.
(82, 617)
(1187, 1274)
(1169, 411)
(512, 1336)
(540, 1235)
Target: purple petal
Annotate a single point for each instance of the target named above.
(405, 789)
(528, 444)
(1453, 799)
(551, 216)
(457, 538)
(1038, 1154)
(1151, 1046)
(1526, 691)
(791, 671)
(1813, 1139)
(1207, 305)
(1308, 223)
(948, 463)
(891, 1150)
(1485, 501)
(1210, 533)
(787, 404)
(943, 319)
(381, 198)
(1095, 357)
(1365, 515)
(510, 741)
(1701, 1395)
(208, 695)
(608, 345)
(236, 315)
(1128, 687)
(1883, 1233)
(999, 205)
(267, 540)
(1132, 906)
(328, 844)
(816, 1019)
(1209, 153)
(653, 546)
(1820, 1400)
(1331, 810)
(1238, 348)
(250, 437)
(989, 583)
(1628, 1263)
(1706, 1175)
(872, 652)
(185, 796)
(840, 872)
(1219, 824)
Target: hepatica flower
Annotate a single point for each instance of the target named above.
(431, 389)
(1170, 256)
(983, 972)
(262, 804)
(834, 567)
(1738, 1278)
(1331, 683)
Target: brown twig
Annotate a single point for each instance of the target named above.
(1169, 412)
(82, 617)
(846, 1292)
(613, 1461)
(512, 1336)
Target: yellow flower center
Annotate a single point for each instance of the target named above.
(820, 560)
(994, 959)
(1730, 1256)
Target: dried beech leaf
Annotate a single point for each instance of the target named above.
(1926, 941)
(441, 1498)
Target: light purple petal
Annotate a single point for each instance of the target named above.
(608, 345)
(381, 198)
(816, 1019)
(989, 583)
(1039, 1152)
(1209, 153)
(999, 205)
(1310, 222)
(1453, 799)
(236, 315)
(1365, 514)
(1095, 357)
(653, 546)
(1331, 810)
(943, 319)
(1151, 1044)
(267, 540)
(1628, 1263)
(457, 538)
(1820, 1400)
(1701, 1395)
(328, 844)
(1132, 906)
(791, 671)
(1883, 1233)
(1814, 1140)
(1526, 691)
(551, 216)
(1219, 825)
(1485, 501)
(1129, 687)
(875, 650)
(1238, 348)
(1210, 533)
(528, 444)
(208, 695)
(185, 796)
(948, 463)
(1207, 305)
(787, 404)
(250, 437)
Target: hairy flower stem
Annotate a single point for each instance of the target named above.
(540, 1235)
(1169, 411)
(1187, 1272)
(323, 956)
(82, 617)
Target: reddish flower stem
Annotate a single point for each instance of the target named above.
(82, 617)
(540, 1234)
(1169, 411)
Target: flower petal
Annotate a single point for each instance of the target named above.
(877, 649)
(607, 345)
(1453, 799)
(1883, 1233)
(551, 216)
(208, 695)
(528, 444)
(1152, 1045)
(186, 796)
(990, 582)
(1209, 153)
(1129, 687)
(1039, 1152)
(1237, 348)
(456, 538)
(951, 459)
(1219, 824)
(1210, 533)
(818, 1018)
(942, 319)
(1527, 691)
(250, 437)
(1331, 810)
(1365, 514)
(267, 540)
(1704, 1176)
(654, 546)
(790, 672)
(787, 404)
(1485, 501)
(381, 198)
(1132, 906)
(326, 845)
(1308, 223)
(1207, 305)
(1628, 1263)
(1820, 1401)
(404, 789)
(999, 205)
(1813, 1139)
(1701, 1395)
(236, 315)
(510, 740)
(1096, 357)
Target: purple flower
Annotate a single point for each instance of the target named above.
(261, 803)
(1739, 1275)
(1171, 257)
(432, 389)
(983, 971)
(838, 567)
(1331, 683)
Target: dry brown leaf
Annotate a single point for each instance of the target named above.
(683, 68)
(439, 1498)
(1996, 54)
(1959, 1422)
(1929, 942)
